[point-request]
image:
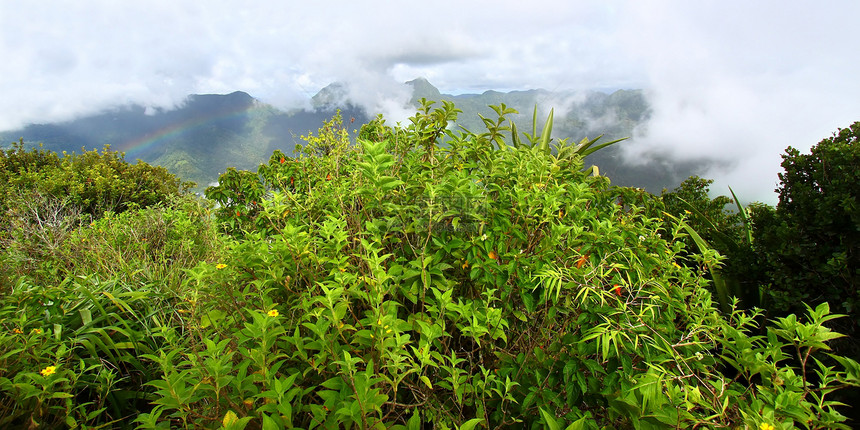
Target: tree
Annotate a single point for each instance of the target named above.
(94, 182)
(809, 242)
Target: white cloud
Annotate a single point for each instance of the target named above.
(737, 81)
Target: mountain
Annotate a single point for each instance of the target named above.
(211, 132)
(197, 141)
(577, 115)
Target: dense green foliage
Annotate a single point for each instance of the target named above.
(804, 250)
(45, 197)
(711, 225)
(399, 282)
(95, 182)
(810, 243)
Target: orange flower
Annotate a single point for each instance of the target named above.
(581, 261)
(617, 290)
(283, 160)
(238, 214)
(493, 255)
(328, 177)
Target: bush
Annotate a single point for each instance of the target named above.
(810, 243)
(419, 277)
(95, 182)
(84, 305)
(45, 198)
(71, 353)
(406, 282)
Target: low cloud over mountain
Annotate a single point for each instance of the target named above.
(209, 133)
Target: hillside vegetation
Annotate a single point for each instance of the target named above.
(493, 281)
(208, 133)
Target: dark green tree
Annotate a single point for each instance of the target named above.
(809, 242)
(695, 191)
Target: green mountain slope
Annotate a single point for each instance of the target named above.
(209, 133)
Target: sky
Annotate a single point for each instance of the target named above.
(731, 81)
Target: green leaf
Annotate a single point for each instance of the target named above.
(426, 381)
(550, 420)
(469, 425)
(744, 215)
(414, 422)
(580, 424)
(269, 423)
(86, 316)
(545, 134)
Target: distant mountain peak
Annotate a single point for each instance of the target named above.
(421, 87)
(235, 96)
(237, 100)
(333, 95)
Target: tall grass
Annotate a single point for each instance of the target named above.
(50, 240)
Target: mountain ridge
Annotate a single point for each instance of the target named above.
(210, 132)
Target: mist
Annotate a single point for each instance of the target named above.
(733, 83)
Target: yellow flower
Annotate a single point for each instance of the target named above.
(36, 331)
(220, 266)
(50, 370)
(17, 330)
(273, 313)
(766, 426)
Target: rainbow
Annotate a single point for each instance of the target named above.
(135, 148)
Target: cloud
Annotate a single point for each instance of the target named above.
(76, 58)
(738, 83)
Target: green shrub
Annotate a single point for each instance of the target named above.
(95, 182)
(90, 305)
(45, 199)
(418, 277)
(400, 282)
